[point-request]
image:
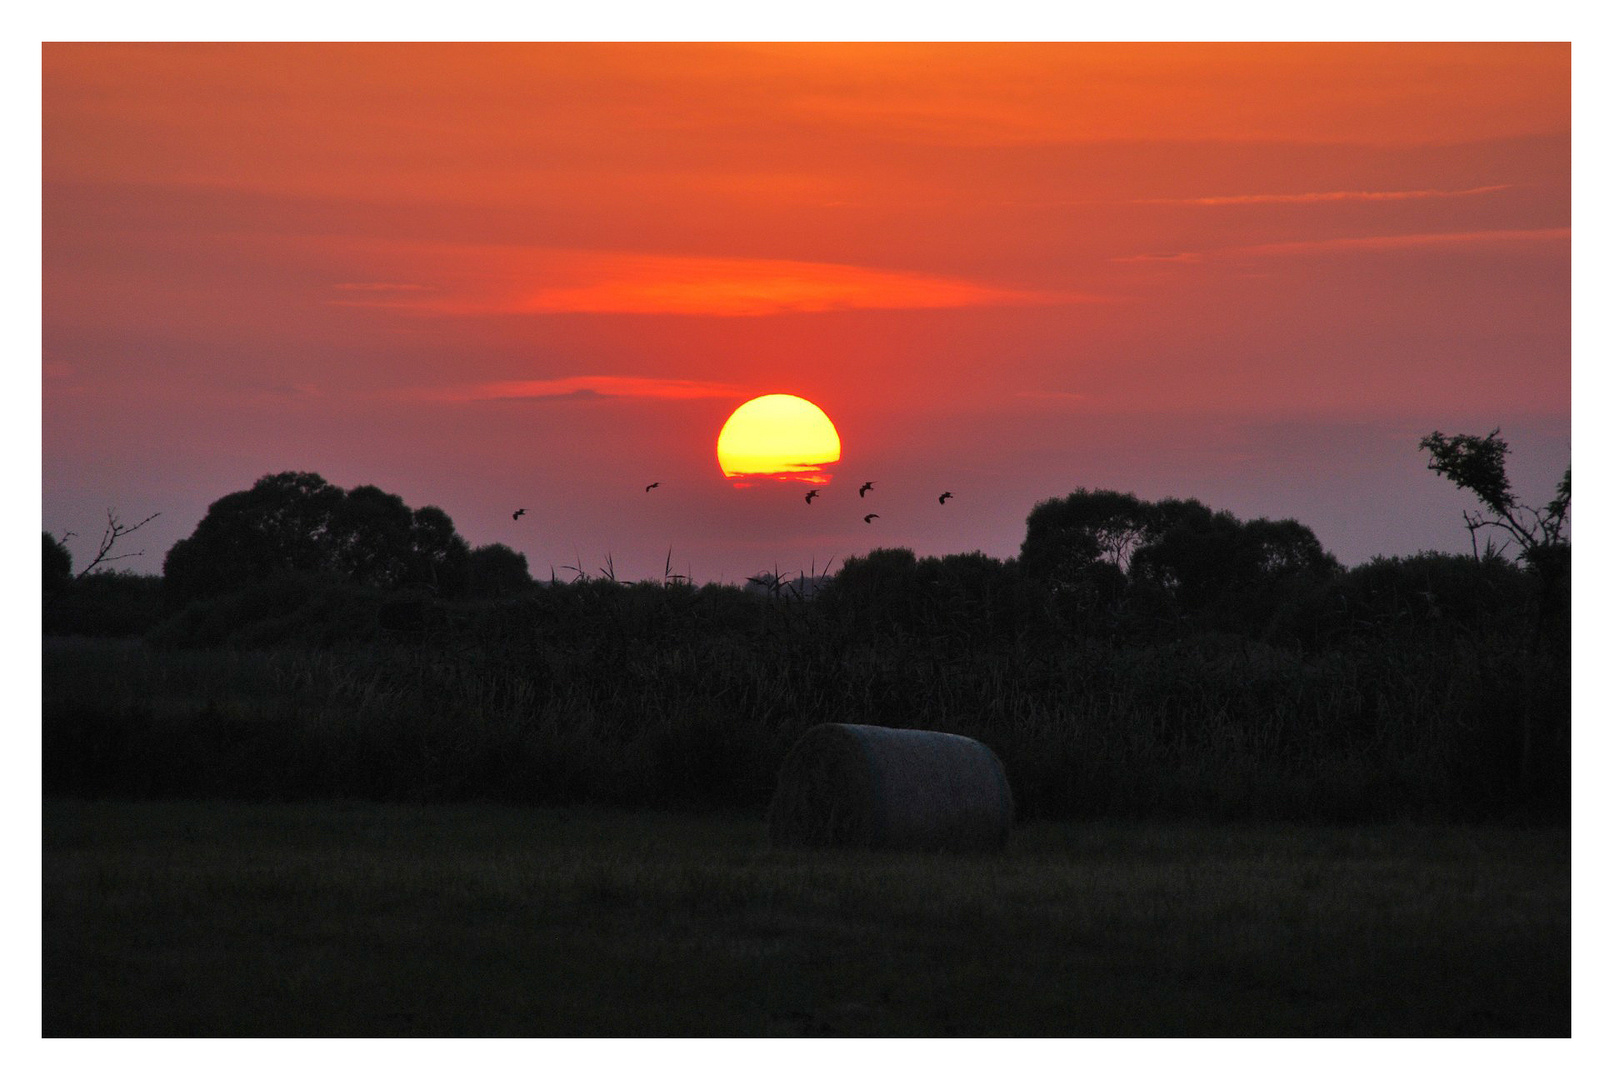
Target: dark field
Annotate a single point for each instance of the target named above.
(359, 919)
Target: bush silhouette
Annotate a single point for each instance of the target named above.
(495, 570)
(106, 603)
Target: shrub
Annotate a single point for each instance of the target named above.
(495, 570)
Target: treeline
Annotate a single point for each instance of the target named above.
(1137, 658)
(292, 538)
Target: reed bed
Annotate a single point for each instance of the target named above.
(682, 698)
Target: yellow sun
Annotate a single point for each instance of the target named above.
(778, 437)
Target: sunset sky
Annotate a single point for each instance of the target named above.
(495, 276)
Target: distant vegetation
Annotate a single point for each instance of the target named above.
(1136, 659)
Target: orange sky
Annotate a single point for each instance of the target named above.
(543, 275)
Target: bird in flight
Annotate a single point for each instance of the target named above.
(864, 489)
(868, 519)
(945, 495)
(517, 515)
(813, 494)
(654, 485)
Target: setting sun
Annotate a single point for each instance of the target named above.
(778, 437)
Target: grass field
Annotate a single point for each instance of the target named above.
(232, 919)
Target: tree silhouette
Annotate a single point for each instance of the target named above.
(58, 565)
(298, 523)
(1080, 548)
(1065, 537)
(1479, 465)
(1206, 558)
(437, 554)
(1103, 553)
(370, 533)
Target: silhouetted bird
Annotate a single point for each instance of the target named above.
(517, 515)
(654, 485)
(813, 494)
(945, 495)
(864, 489)
(869, 518)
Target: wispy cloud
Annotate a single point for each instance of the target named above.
(1459, 241)
(547, 281)
(284, 391)
(1174, 257)
(382, 286)
(1325, 197)
(1411, 241)
(581, 387)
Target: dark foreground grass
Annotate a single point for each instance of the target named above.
(231, 919)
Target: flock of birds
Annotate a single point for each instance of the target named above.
(862, 492)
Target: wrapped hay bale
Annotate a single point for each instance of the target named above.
(852, 785)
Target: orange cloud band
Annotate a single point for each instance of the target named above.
(491, 281)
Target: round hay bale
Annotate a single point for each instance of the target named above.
(853, 785)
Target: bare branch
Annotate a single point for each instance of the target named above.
(115, 531)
